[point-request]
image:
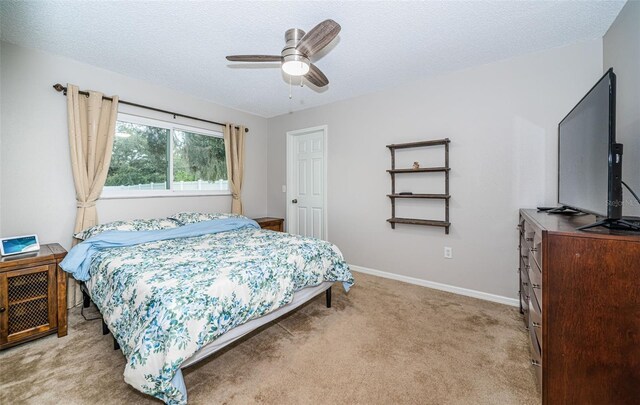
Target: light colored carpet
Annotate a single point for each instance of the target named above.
(385, 342)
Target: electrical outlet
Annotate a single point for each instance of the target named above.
(448, 253)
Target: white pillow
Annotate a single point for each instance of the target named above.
(130, 225)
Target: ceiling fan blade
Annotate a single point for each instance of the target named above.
(318, 37)
(316, 77)
(254, 58)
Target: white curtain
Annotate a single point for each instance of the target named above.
(234, 150)
(92, 124)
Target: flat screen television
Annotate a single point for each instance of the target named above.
(589, 159)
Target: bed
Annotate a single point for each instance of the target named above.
(172, 297)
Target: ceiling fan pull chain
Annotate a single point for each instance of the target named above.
(289, 87)
(301, 81)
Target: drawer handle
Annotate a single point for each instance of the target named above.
(525, 283)
(532, 250)
(536, 325)
(529, 239)
(3, 309)
(535, 285)
(535, 363)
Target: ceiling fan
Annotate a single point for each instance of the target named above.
(299, 48)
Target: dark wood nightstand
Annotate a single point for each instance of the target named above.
(274, 224)
(33, 295)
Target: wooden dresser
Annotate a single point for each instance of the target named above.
(580, 297)
(274, 224)
(33, 295)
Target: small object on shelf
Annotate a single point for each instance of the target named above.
(417, 169)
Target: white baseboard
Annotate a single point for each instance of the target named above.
(438, 286)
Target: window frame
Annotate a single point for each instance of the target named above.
(109, 194)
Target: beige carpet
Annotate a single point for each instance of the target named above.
(385, 342)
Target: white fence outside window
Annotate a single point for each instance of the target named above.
(198, 185)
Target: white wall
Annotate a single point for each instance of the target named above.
(621, 47)
(35, 173)
(1, 137)
(502, 120)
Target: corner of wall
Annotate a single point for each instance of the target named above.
(267, 134)
(621, 50)
(1, 182)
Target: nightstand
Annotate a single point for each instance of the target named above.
(33, 295)
(274, 224)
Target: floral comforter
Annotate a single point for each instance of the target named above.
(166, 299)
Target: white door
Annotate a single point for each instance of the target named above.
(306, 182)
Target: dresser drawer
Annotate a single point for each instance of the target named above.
(535, 280)
(524, 253)
(524, 298)
(527, 230)
(531, 243)
(536, 356)
(525, 284)
(535, 319)
(524, 302)
(525, 245)
(524, 294)
(524, 263)
(535, 251)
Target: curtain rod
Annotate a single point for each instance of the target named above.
(61, 89)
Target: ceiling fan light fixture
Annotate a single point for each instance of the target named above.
(299, 47)
(295, 65)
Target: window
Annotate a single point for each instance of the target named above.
(157, 158)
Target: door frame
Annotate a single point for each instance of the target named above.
(290, 167)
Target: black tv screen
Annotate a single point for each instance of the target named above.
(588, 163)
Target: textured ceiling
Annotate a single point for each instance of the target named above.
(182, 45)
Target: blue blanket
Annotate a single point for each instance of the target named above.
(78, 260)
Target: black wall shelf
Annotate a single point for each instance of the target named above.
(394, 171)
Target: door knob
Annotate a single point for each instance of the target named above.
(295, 201)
